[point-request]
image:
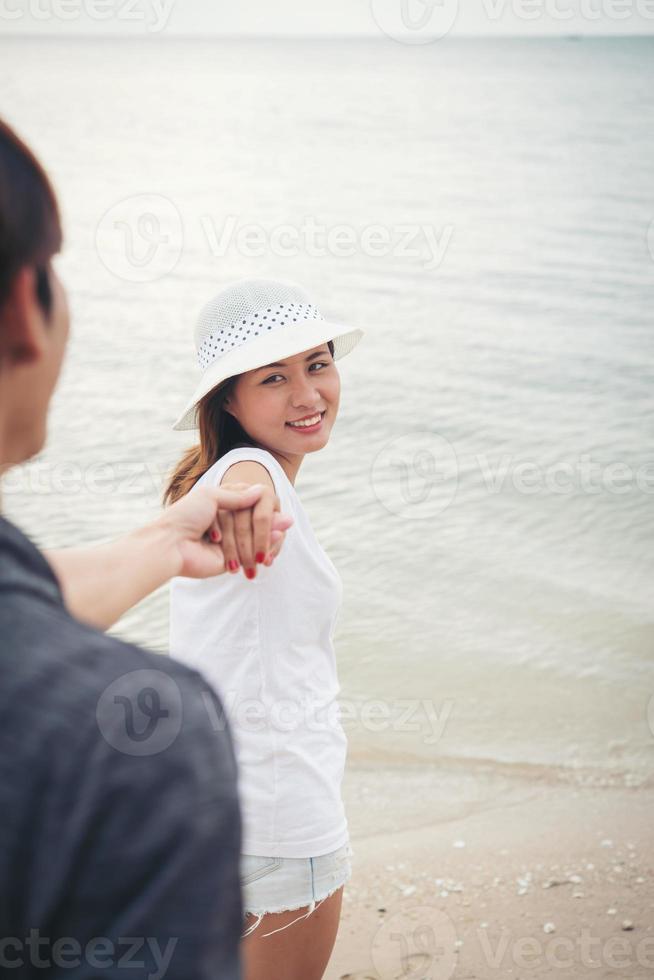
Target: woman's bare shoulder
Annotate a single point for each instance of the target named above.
(248, 471)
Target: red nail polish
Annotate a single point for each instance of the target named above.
(260, 556)
(250, 572)
(213, 535)
(232, 565)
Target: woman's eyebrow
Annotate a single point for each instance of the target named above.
(318, 353)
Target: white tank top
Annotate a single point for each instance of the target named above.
(266, 645)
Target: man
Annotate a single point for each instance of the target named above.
(120, 826)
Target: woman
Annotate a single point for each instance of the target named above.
(269, 394)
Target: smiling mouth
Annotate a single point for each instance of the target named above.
(310, 422)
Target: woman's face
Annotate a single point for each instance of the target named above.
(269, 400)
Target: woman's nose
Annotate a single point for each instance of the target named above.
(304, 394)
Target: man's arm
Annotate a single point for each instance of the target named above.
(101, 582)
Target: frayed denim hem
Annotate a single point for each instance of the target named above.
(312, 907)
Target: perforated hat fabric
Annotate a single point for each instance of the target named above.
(252, 323)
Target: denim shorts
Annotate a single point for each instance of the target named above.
(278, 884)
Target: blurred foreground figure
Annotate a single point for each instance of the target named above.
(120, 830)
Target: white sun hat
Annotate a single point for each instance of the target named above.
(254, 322)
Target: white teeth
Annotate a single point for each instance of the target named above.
(312, 421)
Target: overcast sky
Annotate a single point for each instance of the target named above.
(410, 19)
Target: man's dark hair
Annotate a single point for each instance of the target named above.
(30, 227)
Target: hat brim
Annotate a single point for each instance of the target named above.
(286, 342)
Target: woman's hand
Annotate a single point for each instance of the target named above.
(249, 536)
(215, 525)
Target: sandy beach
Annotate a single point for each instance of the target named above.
(512, 873)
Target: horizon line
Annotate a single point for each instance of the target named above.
(188, 36)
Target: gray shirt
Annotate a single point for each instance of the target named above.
(120, 828)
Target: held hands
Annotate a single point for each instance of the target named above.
(251, 535)
(226, 527)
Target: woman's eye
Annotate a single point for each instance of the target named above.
(320, 364)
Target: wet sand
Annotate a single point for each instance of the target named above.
(497, 872)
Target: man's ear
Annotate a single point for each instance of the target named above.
(21, 336)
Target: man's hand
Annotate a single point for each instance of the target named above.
(213, 526)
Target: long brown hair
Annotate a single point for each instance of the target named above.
(219, 432)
